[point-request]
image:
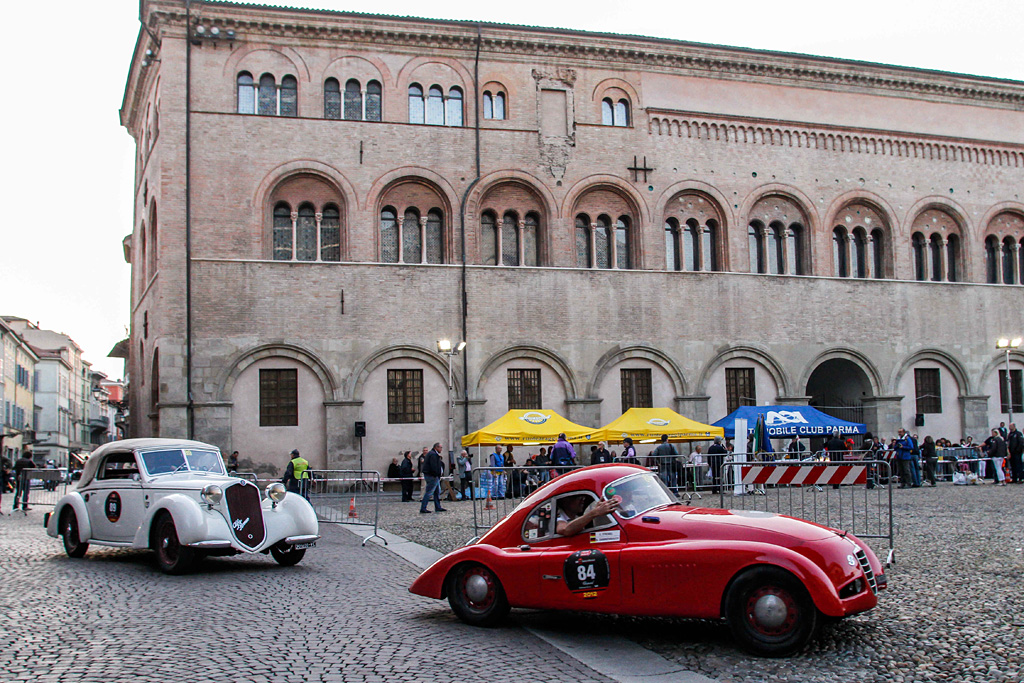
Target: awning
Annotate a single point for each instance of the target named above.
(788, 421)
(646, 425)
(528, 427)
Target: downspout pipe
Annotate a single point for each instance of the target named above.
(189, 407)
(462, 229)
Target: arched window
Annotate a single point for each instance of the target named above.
(840, 253)
(1020, 260)
(607, 112)
(412, 244)
(583, 253)
(332, 99)
(416, 104)
(435, 106)
(859, 254)
(877, 253)
(267, 105)
(935, 252)
(622, 113)
(991, 260)
(388, 235)
(330, 234)
(353, 101)
(154, 253)
(920, 256)
(454, 117)
(953, 258)
(246, 93)
(282, 232)
(691, 245)
(374, 101)
(1008, 258)
(143, 253)
(435, 237)
(489, 239)
(672, 245)
(709, 246)
(795, 250)
(305, 233)
(755, 246)
(531, 229)
(497, 107)
(776, 249)
(623, 253)
(488, 105)
(509, 239)
(289, 96)
(603, 242)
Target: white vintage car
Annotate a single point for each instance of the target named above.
(175, 497)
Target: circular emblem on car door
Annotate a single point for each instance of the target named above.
(112, 506)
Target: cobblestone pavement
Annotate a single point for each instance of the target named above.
(343, 614)
(954, 610)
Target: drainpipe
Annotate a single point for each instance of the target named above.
(462, 229)
(189, 408)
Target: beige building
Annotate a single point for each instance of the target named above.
(17, 387)
(606, 220)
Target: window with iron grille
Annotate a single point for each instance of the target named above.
(405, 396)
(524, 389)
(279, 398)
(739, 388)
(636, 388)
(1016, 391)
(926, 388)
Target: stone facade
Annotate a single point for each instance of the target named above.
(640, 204)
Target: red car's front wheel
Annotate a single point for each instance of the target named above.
(770, 612)
(476, 595)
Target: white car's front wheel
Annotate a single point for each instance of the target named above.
(287, 555)
(73, 545)
(171, 556)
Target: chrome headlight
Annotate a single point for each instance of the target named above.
(212, 494)
(276, 491)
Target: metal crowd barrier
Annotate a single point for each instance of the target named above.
(45, 487)
(337, 496)
(843, 494)
(497, 491)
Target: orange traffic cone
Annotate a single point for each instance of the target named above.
(352, 514)
(490, 503)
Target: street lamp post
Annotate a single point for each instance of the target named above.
(1006, 345)
(445, 348)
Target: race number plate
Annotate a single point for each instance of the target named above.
(303, 546)
(586, 570)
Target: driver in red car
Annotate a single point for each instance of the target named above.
(574, 515)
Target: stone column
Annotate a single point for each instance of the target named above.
(342, 444)
(584, 411)
(295, 220)
(423, 239)
(693, 407)
(974, 416)
(883, 415)
(794, 400)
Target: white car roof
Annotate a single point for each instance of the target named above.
(93, 462)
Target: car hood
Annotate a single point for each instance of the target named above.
(190, 480)
(751, 525)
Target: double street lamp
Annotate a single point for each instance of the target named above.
(445, 348)
(1007, 344)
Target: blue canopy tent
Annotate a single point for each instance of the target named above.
(787, 421)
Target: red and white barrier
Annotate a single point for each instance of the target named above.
(804, 475)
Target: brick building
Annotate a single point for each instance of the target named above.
(606, 220)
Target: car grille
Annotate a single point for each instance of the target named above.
(862, 557)
(245, 514)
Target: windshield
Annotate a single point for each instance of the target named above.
(638, 493)
(182, 460)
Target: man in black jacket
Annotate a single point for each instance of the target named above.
(21, 479)
(433, 470)
(405, 471)
(1015, 445)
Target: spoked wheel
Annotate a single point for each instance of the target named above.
(171, 556)
(73, 545)
(476, 595)
(287, 555)
(770, 612)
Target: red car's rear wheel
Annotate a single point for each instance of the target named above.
(476, 595)
(770, 612)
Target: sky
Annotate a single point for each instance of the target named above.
(68, 193)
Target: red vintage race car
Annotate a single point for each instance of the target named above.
(773, 578)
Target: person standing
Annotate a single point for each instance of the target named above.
(931, 459)
(563, 455)
(405, 471)
(21, 480)
(995, 449)
(233, 463)
(497, 479)
(904, 447)
(433, 470)
(629, 452)
(601, 455)
(665, 456)
(796, 449)
(716, 454)
(1015, 447)
(296, 475)
(465, 469)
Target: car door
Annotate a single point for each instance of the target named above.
(583, 571)
(115, 498)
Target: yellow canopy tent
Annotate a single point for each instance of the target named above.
(529, 427)
(646, 425)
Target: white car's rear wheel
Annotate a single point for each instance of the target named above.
(73, 544)
(171, 556)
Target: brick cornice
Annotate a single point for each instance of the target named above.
(253, 22)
